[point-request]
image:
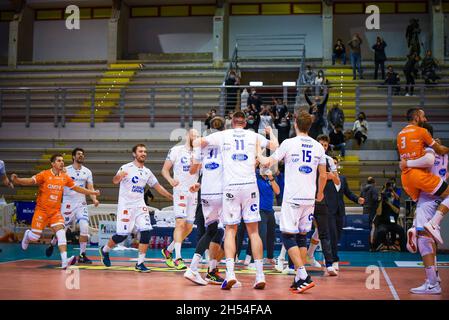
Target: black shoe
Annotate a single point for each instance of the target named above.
(49, 250)
(303, 285)
(213, 277)
(141, 268)
(84, 259)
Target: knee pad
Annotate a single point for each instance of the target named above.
(288, 240)
(145, 237)
(301, 240)
(60, 235)
(118, 239)
(84, 228)
(425, 245)
(218, 237)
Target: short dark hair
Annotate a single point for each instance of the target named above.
(429, 128)
(74, 151)
(139, 145)
(371, 180)
(56, 155)
(323, 137)
(412, 112)
(303, 121)
(217, 123)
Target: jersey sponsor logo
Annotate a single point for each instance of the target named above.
(138, 189)
(135, 179)
(204, 202)
(305, 169)
(253, 207)
(212, 166)
(184, 160)
(125, 212)
(295, 160)
(311, 217)
(185, 168)
(53, 197)
(53, 187)
(442, 172)
(239, 157)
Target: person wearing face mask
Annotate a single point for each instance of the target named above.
(281, 119)
(317, 109)
(320, 82)
(339, 52)
(254, 100)
(360, 129)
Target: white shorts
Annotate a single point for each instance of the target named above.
(238, 204)
(184, 205)
(212, 208)
(425, 210)
(296, 218)
(72, 211)
(132, 217)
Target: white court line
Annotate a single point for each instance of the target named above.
(390, 284)
(5, 262)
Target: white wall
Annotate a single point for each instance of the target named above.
(265, 25)
(53, 42)
(170, 35)
(4, 39)
(392, 30)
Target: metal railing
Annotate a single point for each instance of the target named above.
(184, 104)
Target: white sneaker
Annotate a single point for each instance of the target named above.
(260, 283)
(411, 240)
(287, 270)
(331, 271)
(25, 241)
(229, 283)
(427, 288)
(335, 266)
(69, 262)
(313, 262)
(251, 266)
(238, 284)
(195, 277)
(247, 260)
(279, 266)
(434, 231)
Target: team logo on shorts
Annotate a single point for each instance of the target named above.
(229, 196)
(205, 202)
(253, 207)
(125, 211)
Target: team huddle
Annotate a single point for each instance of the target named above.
(229, 195)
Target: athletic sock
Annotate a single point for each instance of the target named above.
(54, 241)
(177, 250)
(436, 220)
(431, 275)
(83, 246)
(212, 264)
(171, 246)
(195, 261)
(141, 258)
(106, 249)
(282, 253)
(64, 256)
(230, 268)
(301, 273)
(259, 267)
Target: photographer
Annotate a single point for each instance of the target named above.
(386, 221)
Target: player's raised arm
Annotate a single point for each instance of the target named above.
(162, 191)
(273, 143)
(440, 149)
(200, 143)
(195, 164)
(23, 181)
(119, 176)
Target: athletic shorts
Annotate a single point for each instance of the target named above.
(425, 210)
(415, 181)
(184, 205)
(71, 211)
(41, 219)
(242, 203)
(212, 208)
(296, 218)
(132, 218)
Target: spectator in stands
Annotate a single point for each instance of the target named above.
(379, 57)
(211, 114)
(266, 119)
(228, 120)
(371, 196)
(231, 93)
(392, 79)
(4, 176)
(335, 117)
(254, 100)
(356, 55)
(411, 72)
(244, 100)
(337, 140)
(360, 129)
(317, 109)
(428, 68)
(308, 79)
(281, 119)
(339, 52)
(253, 118)
(386, 222)
(320, 83)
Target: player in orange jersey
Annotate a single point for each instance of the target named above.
(411, 142)
(48, 204)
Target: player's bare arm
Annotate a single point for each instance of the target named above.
(94, 199)
(85, 191)
(440, 149)
(273, 144)
(119, 177)
(166, 173)
(22, 181)
(163, 192)
(426, 161)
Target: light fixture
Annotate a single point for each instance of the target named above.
(289, 84)
(256, 83)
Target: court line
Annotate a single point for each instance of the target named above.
(4, 262)
(390, 284)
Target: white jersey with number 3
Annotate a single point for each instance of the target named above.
(302, 156)
(238, 148)
(82, 178)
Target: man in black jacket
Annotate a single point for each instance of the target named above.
(336, 206)
(317, 109)
(379, 57)
(371, 196)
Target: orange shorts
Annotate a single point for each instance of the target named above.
(416, 180)
(41, 219)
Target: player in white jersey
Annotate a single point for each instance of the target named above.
(74, 205)
(418, 238)
(132, 212)
(304, 157)
(210, 160)
(240, 192)
(184, 201)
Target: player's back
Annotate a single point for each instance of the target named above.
(212, 170)
(411, 142)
